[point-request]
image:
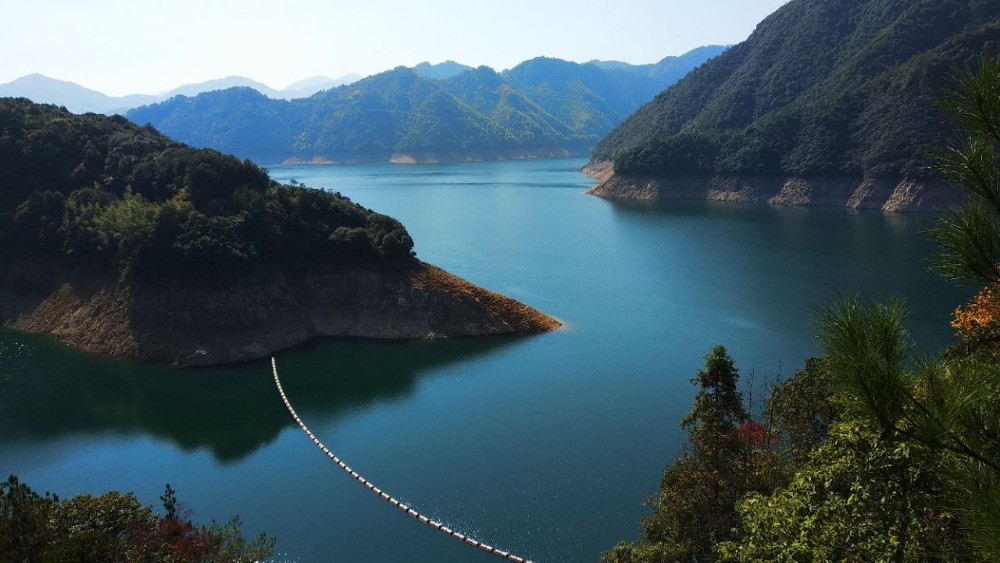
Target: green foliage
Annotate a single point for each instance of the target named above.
(169, 500)
(718, 407)
(110, 527)
(126, 226)
(39, 218)
(227, 543)
(950, 405)
(24, 517)
(868, 455)
(821, 88)
(893, 458)
(970, 236)
(858, 498)
(638, 553)
(914, 470)
(681, 154)
(800, 411)
(82, 240)
(113, 527)
(695, 508)
(125, 197)
(865, 345)
(541, 104)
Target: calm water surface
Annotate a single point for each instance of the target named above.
(545, 446)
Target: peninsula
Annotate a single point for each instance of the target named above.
(120, 241)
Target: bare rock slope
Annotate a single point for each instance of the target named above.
(203, 324)
(855, 193)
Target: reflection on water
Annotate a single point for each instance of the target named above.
(544, 445)
(51, 391)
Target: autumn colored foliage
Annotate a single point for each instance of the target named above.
(981, 315)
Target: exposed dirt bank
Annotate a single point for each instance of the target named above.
(201, 323)
(442, 157)
(856, 193)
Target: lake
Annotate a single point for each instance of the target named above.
(545, 445)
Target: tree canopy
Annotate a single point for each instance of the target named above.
(101, 193)
(114, 527)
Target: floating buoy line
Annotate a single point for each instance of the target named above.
(382, 494)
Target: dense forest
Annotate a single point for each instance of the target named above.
(114, 527)
(871, 452)
(100, 193)
(822, 88)
(546, 106)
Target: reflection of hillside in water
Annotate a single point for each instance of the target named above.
(48, 391)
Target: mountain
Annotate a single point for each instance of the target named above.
(672, 69)
(543, 107)
(121, 241)
(440, 71)
(44, 90)
(221, 84)
(309, 86)
(241, 121)
(827, 102)
(74, 97)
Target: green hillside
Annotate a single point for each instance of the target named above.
(544, 106)
(821, 88)
(100, 193)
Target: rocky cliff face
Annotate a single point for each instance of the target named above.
(202, 324)
(865, 193)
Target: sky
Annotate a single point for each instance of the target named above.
(124, 47)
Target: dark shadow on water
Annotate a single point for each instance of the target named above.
(49, 391)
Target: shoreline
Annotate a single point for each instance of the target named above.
(206, 323)
(902, 195)
(414, 158)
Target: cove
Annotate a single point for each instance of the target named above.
(544, 446)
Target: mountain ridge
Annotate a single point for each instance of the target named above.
(542, 107)
(80, 99)
(821, 89)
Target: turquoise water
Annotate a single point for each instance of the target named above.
(545, 445)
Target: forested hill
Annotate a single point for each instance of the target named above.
(102, 193)
(542, 107)
(822, 88)
(121, 241)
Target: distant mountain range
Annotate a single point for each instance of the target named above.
(827, 101)
(440, 71)
(78, 99)
(443, 112)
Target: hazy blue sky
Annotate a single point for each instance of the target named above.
(148, 46)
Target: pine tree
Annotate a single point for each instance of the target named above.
(695, 507)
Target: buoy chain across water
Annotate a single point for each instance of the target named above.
(382, 494)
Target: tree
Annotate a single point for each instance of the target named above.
(24, 516)
(800, 411)
(114, 527)
(950, 406)
(970, 236)
(910, 466)
(857, 498)
(694, 509)
(918, 437)
(718, 406)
